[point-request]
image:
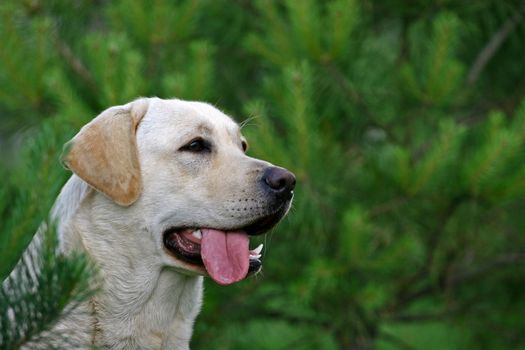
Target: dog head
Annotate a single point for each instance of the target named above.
(182, 167)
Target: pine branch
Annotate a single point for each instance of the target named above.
(388, 206)
(76, 65)
(347, 88)
(492, 47)
(434, 238)
(423, 317)
(398, 342)
(43, 288)
(464, 277)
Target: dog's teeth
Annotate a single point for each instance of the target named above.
(255, 257)
(197, 234)
(258, 250)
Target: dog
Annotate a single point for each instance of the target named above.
(162, 194)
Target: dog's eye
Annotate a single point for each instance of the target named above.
(197, 145)
(244, 146)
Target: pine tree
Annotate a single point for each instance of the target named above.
(405, 126)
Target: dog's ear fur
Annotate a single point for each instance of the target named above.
(104, 152)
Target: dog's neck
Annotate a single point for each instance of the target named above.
(141, 304)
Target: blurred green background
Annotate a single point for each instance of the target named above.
(404, 122)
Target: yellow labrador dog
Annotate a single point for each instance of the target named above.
(162, 194)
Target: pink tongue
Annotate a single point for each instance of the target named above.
(225, 255)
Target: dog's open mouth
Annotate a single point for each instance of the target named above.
(224, 254)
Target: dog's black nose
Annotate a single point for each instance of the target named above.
(279, 180)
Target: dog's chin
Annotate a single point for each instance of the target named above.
(183, 267)
(183, 244)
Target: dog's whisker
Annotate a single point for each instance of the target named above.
(247, 121)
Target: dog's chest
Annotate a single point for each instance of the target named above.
(163, 320)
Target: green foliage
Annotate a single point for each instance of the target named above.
(434, 75)
(29, 193)
(406, 230)
(18, 43)
(39, 293)
(45, 286)
(270, 335)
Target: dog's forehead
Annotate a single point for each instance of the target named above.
(183, 117)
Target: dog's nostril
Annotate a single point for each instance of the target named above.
(279, 179)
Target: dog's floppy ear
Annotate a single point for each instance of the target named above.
(104, 152)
